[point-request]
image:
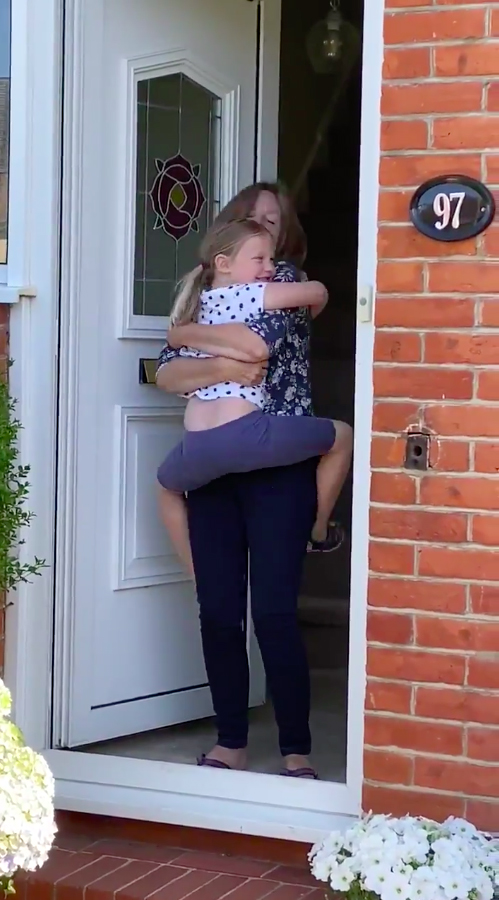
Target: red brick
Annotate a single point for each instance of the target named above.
(484, 600)
(419, 27)
(491, 237)
(492, 97)
(494, 23)
(394, 206)
(406, 62)
(115, 882)
(436, 97)
(400, 242)
(456, 704)
(463, 277)
(456, 634)
(469, 59)
(399, 171)
(387, 452)
(485, 530)
(71, 885)
(400, 802)
(492, 167)
(425, 312)
(389, 628)
(186, 886)
(286, 892)
(409, 734)
(463, 420)
(488, 385)
(449, 456)
(459, 348)
(397, 277)
(135, 850)
(402, 593)
(411, 525)
(397, 346)
(487, 457)
(423, 383)
(443, 562)
(388, 696)
(483, 815)
(393, 488)
(403, 3)
(461, 777)
(415, 665)
(395, 416)
(483, 672)
(465, 133)
(149, 884)
(386, 556)
(490, 313)
(483, 743)
(475, 492)
(393, 768)
(403, 135)
(292, 875)
(211, 862)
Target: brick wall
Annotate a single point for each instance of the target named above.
(432, 716)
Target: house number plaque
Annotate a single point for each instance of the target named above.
(452, 208)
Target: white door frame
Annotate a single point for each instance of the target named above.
(235, 802)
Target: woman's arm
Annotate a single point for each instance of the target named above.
(285, 295)
(181, 375)
(235, 341)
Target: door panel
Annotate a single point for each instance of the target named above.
(164, 135)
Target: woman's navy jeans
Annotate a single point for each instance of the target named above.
(269, 513)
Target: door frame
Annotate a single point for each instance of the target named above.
(235, 802)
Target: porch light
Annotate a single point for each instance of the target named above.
(325, 40)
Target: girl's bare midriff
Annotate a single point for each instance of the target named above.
(203, 414)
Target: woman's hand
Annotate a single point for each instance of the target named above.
(185, 375)
(246, 373)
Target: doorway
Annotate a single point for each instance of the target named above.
(319, 147)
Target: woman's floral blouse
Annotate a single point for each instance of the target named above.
(287, 334)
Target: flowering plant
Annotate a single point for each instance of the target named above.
(408, 859)
(27, 826)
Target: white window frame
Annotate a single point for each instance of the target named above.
(124, 787)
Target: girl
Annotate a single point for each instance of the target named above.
(226, 429)
(268, 513)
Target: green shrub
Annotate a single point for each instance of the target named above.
(14, 490)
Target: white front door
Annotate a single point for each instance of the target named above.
(159, 133)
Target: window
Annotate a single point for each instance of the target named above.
(177, 193)
(4, 124)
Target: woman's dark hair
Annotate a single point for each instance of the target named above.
(291, 243)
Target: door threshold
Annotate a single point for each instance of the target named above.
(175, 794)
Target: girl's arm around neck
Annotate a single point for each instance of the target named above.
(284, 295)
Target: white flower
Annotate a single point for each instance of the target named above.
(410, 858)
(396, 888)
(27, 825)
(342, 876)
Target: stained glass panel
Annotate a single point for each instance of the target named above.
(4, 123)
(177, 186)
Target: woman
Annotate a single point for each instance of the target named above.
(269, 512)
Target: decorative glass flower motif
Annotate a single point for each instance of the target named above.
(177, 196)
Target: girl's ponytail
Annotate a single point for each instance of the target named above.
(186, 303)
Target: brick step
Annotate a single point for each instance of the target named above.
(80, 867)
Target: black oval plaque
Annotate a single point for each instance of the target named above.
(452, 208)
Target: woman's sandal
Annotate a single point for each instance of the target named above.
(304, 772)
(211, 763)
